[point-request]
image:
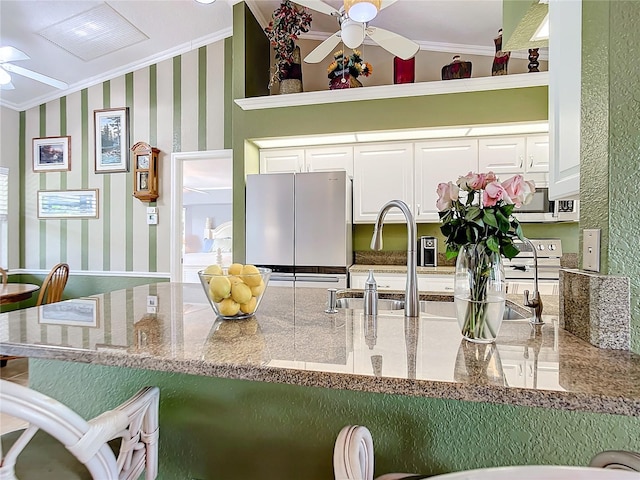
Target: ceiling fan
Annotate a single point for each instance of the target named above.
(354, 17)
(11, 54)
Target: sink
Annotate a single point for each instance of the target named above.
(435, 309)
(358, 303)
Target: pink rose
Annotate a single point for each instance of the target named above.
(447, 194)
(478, 181)
(464, 182)
(490, 177)
(493, 193)
(520, 191)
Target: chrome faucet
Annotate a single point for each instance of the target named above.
(535, 302)
(411, 305)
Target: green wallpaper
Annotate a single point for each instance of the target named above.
(237, 430)
(176, 105)
(610, 153)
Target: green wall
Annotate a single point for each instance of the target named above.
(213, 428)
(610, 152)
(395, 235)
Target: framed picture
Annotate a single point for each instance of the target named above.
(52, 154)
(68, 203)
(112, 140)
(79, 312)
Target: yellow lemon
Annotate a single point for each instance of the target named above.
(251, 275)
(235, 269)
(213, 270)
(219, 288)
(241, 293)
(228, 307)
(234, 279)
(258, 289)
(250, 306)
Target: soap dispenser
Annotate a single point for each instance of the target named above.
(370, 295)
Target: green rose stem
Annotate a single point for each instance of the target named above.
(476, 313)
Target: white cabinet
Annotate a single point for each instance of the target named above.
(565, 68)
(281, 160)
(315, 159)
(525, 155)
(398, 281)
(381, 172)
(501, 155)
(329, 159)
(440, 162)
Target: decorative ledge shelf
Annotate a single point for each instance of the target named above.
(503, 82)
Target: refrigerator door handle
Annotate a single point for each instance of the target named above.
(282, 278)
(328, 279)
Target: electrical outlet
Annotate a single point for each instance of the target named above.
(591, 249)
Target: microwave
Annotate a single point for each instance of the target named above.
(541, 209)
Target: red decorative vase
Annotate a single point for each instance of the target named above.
(404, 71)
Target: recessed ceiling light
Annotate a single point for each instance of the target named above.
(205, 1)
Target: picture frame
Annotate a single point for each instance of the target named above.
(68, 203)
(52, 154)
(79, 312)
(111, 135)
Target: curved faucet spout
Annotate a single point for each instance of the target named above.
(411, 303)
(535, 302)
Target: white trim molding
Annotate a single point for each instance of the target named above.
(501, 82)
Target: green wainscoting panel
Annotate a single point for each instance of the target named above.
(79, 286)
(238, 430)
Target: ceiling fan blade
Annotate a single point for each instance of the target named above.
(318, 6)
(34, 75)
(7, 86)
(387, 3)
(392, 42)
(325, 48)
(12, 54)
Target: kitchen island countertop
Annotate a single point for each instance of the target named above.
(292, 340)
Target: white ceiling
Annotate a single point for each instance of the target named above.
(177, 26)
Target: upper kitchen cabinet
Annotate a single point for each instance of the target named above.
(565, 68)
(310, 159)
(440, 162)
(382, 172)
(524, 155)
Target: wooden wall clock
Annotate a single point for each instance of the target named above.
(145, 172)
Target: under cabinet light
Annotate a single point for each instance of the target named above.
(509, 129)
(304, 141)
(411, 134)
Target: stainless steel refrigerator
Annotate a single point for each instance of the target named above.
(299, 224)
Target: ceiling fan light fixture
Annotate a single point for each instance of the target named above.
(362, 10)
(352, 34)
(5, 78)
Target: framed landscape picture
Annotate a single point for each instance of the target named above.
(112, 140)
(80, 312)
(52, 154)
(68, 203)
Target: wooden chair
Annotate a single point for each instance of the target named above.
(3, 272)
(53, 285)
(134, 424)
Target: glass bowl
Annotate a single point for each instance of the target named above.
(236, 295)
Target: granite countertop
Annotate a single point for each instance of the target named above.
(444, 270)
(292, 340)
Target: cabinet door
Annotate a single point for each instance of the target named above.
(281, 160)
(387, 281)
(440, 162)
(435, 283)
(537, 153)
(381, 173)
(501, 155)
(329, 159)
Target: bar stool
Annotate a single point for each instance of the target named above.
(134, 424)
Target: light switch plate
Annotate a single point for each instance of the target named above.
(591, 249)
(152, 218)
(152, 210)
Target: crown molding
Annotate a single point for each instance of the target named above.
(122, 70)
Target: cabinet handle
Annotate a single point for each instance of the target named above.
(531, 161)
(418, 207)
(521, 161)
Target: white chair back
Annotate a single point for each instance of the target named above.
(135, 422)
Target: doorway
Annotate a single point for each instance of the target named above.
(201, 214)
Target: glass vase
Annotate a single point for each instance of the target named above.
(480, 293)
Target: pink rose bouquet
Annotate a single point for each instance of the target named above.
(478, 209)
